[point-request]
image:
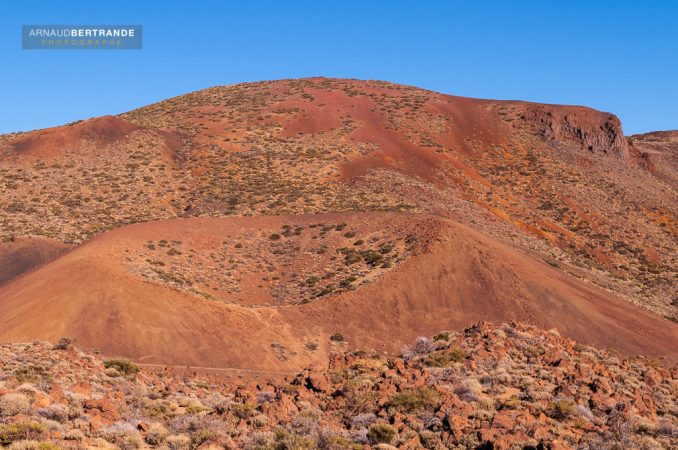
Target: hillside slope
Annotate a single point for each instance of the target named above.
(561, 181)
(295, 281)
(276, 214)
(20, 256)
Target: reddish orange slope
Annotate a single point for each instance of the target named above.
(23, 255)
(463, 277)
(469, 277)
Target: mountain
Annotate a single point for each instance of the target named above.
(276, 214)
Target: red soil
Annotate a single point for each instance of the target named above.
(52, 142)
(76, 139)
(468, 120)
(461, 278)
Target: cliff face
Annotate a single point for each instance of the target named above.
(660, 150)
(595, 131)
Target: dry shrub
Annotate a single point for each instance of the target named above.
(13, 404)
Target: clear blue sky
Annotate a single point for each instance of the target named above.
(618, 56)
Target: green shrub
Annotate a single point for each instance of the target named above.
(337, 337)
(419, 399)
(512, 402)
(346, 282)
(156, 434)
(339, 442)
(359, 397)
(19, 431)
(372, 258)
(430, 439)
(457, 354)
(123, 366)
(196, 409)
(381, 433)
(562, 409)
(157, 410)
(351, 258)
(311, 281)
(243, 410)
(284, 440)
(32, 374)
(443, 358)
(326, 290)
(442, 336)
(311, 346)
(64, 343)
(385, 248)
(202, 436)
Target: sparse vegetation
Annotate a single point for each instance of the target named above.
(415, 400)
(19, 431)
(537, 177)
(235, 162)
(122, 366)
(218, 273)
(32, 373)
(445, 357)
(381, 433)
(360, 399)
(562, 408)
(336, 337)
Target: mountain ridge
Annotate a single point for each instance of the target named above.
(586, 218)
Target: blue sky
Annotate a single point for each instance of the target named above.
(617, 56)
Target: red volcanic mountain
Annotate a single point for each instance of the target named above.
(279, 213)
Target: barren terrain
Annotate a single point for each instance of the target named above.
(551, 179)
(266, 292)
(239, 227)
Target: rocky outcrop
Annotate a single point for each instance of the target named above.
(501, 387)
(659, 149)
(595, 131)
